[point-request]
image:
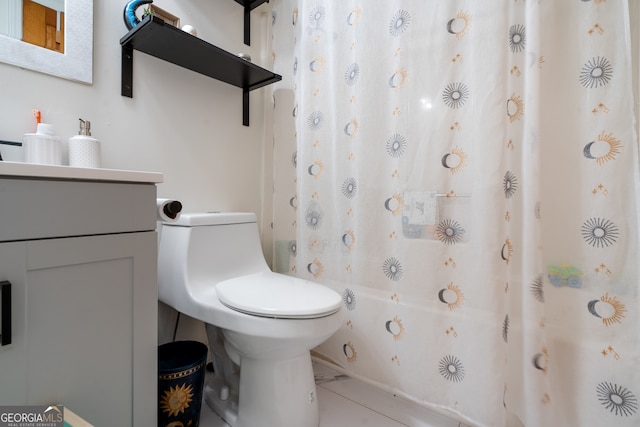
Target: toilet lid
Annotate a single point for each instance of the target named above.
(279, 296)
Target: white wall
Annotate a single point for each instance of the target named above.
(180, 123)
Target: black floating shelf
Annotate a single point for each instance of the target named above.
(249, 5)
(164, 41)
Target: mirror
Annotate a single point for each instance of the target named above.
(39, 22)
(73, 58)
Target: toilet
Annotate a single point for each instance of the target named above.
(260, 325)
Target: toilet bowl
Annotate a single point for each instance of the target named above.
(260, 325)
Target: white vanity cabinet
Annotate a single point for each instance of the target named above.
(80, 257)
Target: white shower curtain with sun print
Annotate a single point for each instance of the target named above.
(465, 175)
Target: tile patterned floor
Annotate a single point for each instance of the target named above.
(347, 402)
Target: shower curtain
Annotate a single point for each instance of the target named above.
(465, 175)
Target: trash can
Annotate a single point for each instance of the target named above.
(181, 370)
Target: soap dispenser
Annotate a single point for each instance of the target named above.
(84, 151)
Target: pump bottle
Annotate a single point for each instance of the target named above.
(84, 151)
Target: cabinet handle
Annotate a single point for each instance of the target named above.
(5, 321)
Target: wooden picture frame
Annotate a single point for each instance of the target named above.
(167, 17)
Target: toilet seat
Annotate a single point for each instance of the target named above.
(279, 296)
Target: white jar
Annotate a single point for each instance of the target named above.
(42, 147)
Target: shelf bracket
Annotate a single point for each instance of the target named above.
(127, 71)
(249, 5)
(247, 24)
(245, 107)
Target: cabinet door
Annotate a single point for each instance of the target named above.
(12, 361)
(91, 334)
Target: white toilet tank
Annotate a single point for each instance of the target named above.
(204, 249)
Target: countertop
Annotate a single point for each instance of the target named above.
(36, 171)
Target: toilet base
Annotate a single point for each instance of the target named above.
(226, 409)
(272, 393)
